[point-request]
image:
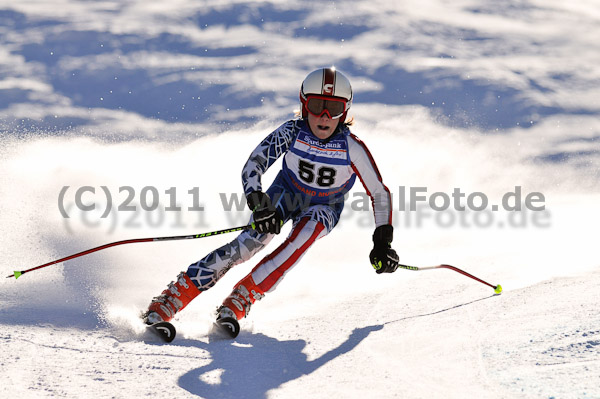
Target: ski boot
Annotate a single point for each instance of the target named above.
(177, 296)
(237, 305)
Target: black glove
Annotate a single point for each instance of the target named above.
(266, 219)
(383, 258)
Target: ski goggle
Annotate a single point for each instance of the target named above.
(333, 107)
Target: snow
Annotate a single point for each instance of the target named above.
(141, 96)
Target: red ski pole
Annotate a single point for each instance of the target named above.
(497, 288)
(17, 274)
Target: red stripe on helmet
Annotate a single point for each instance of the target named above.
(328, 82)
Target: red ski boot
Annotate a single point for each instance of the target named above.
(177, 296)
(237, 305)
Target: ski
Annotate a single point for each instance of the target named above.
(226, 327)
(164, 330)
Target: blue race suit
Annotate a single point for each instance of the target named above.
(309, 190)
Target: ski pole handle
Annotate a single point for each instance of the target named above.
(17, 274)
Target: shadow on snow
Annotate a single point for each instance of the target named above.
(256, 363)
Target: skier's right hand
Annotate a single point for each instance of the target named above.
(265, 218)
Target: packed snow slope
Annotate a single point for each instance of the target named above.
(133, 119)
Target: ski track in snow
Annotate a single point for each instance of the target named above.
(474, 95)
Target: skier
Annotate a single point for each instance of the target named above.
(321, 161)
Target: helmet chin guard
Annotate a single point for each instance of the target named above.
(327, 82)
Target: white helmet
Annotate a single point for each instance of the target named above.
(326, 83)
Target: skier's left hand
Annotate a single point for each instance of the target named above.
(383, 258)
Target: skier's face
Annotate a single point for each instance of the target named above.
(322, 126)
